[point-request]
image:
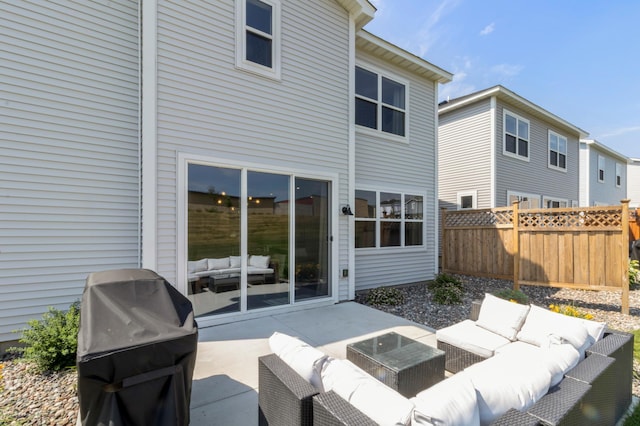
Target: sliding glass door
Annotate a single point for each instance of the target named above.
(248, 246)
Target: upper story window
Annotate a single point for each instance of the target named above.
(618, 174)
(380, 103)
(516, 136)
(258, 36)
(557, 151)
(601, 163)
(389, 219)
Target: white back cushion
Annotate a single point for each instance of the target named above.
(235, 261)
(259, 261)
(450, 402)
(222, 263)
(501, 316)
(197, 266)
(302, 358)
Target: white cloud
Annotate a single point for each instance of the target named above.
(488, 29)
(621, 131)
(428, 34)
(459, 85)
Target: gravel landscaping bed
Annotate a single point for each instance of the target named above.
(419, 306)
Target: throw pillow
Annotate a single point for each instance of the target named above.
(501, 316)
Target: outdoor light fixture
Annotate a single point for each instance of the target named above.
(346, 210)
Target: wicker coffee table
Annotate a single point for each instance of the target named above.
(399, 362)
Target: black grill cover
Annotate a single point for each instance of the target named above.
(136, 350)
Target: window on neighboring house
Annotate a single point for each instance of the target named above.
(467, 200)
(516, 135)
(555, 203)
(527, 201)
(258, 38)
(388, 219)
(380, 102)
(557, 151)
(601, 163)
(618, 174)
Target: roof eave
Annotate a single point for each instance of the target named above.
(606, 149)
(361, 10)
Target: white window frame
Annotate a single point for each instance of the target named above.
(506, 112)
(474, 202)
(560, 201)
(618, 175)
(602, 163)
(522, 195)
(566, 147)
(241, 40)
(378, 130)
(378, 220)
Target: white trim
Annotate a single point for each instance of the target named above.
(436, 204)
(276, 38)
(493, 151)
(351, 178)
(149, 135)
(472, 193)
(378, 132)
(566, 149)
(602, 165)
(504, 136)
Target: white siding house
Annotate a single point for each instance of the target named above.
(603, 175)
(633, 182)
(195, 137)
(497, 147)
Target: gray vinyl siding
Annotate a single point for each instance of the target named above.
(464, 154)
(387, 165)
(69, 168)
(605, 192)
(208, 107)
(534, 176)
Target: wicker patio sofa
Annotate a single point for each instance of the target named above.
(595, 391)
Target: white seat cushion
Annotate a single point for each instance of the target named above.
(302, 358)
(558, 359)
(501, 316)
(450, 402)
(468, 336)
(374, 399)
(504, 382)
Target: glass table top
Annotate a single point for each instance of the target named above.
(396, 351)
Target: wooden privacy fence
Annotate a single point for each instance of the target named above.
(583, 248)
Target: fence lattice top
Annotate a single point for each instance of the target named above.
(484, 217)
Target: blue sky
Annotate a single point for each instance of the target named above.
(579, 60)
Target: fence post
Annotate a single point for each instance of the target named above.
(625, 256)
(443, 257)
(516, 247)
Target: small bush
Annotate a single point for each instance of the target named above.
(385, 296)
(570, 311)
(513, 296)
(634, 272)
(52, 343)
(446, 290)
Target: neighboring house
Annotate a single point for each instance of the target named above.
(215, 143)
(603, 175)
(496, 147)
(633, 182)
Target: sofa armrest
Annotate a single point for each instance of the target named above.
(475, 310)
(284, 397)
(330, 409)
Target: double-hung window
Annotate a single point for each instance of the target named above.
(380, 102)
(601, 165)
(389, 219)
(557, 151)
(258, 36)
(618, 174)
(516, 136)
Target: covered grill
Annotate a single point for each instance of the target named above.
(136, 350)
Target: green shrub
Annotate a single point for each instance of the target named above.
(633, 418)
(634, 272)
(385, 296)
(52, 343)
(446, 290)
(513, 295)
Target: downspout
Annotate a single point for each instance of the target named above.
(351, 161)
(492, 153)
(149, 133)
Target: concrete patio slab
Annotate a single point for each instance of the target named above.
(225, 380)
